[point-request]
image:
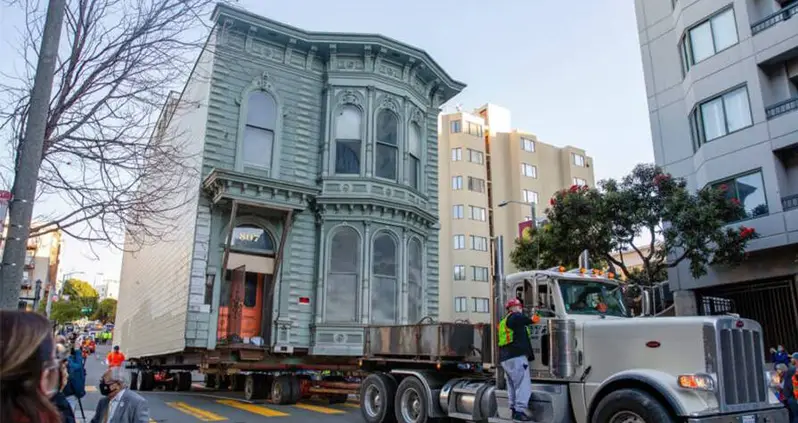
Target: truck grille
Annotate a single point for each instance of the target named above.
(742, 364)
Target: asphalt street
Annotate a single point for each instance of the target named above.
(201, 405)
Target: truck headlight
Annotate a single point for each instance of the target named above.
(697, 381)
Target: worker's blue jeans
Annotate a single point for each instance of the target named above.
(519, 385)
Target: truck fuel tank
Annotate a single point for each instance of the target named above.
(562, 348)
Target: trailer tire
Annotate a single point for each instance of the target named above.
(210, 380)
(183, 381)
(410, 403)
(134, 381)
(147, 381)
(282, 391)
(377, 393)
(632, 404)
(296, 389)
(238, 382)
(255, 387)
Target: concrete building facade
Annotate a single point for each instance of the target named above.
(490, 176)
(42, 259)
(319, 186)
(722, 84)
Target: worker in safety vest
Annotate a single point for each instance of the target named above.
(115, 358)
(515, 353)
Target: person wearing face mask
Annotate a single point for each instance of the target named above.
(29, 371)
(119, 405)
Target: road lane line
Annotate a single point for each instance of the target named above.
(203, 415)
(319, 409)
(255, 409)
(351, 405)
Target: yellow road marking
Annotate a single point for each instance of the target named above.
(351, 404)
(255, 409)
(345, 404)
(203, 415)
(319, 409)
(91, 388)
(153, 421)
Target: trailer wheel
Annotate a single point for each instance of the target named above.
(147, 381)
(210, 381)
(183, 381)
(296, 389)
(255, 387)
(238, 382)
(411, 402)
(377, 393)
(631, 405)
(282, 390)
(134, 381)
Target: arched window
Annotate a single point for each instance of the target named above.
(415, 294)
(348, 138)
(387, 147)
(258, 139)
(343, 276)
(385, 269)
(251, 237)
(414, 156)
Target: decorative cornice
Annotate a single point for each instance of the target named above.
(223, 184)
(375, 208)
(389, 102)
(261, 82)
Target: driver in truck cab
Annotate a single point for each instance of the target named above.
(515, 353)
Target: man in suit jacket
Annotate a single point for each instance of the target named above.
(120, 405)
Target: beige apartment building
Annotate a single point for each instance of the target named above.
(490, 176)
(42, 257)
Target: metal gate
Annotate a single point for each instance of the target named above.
(772, 303)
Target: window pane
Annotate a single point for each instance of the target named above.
(348, 125)
(724, 30)
(383, 300)
(738, 114)
(387, 127)
(414, 146)
(712, 116)
(257, 148)
(386, 161)
(415, 293)
(341, 297)
(413, 165)
(252, 237)
(261, 110)
(751, 193)
(385, 256)
(347, 157)
(345, 251)
(701, 42)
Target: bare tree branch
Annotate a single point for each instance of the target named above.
(104, 159)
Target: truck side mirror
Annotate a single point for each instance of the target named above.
(646, 303)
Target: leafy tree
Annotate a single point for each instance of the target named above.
(106, 311)
(535, 252)
(646, 203)
(65, 312)
(82, 293)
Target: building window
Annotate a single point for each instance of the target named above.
(456, 126)
(348, 138)
(414, 156)
(252, 238)
(458, 241)
(528, 170)
(459, 272)
(527, 145)
(258, 140)
(579, 182)
(529, 196)
(461, 304)
(474, 129)
(475, 156)
(479, 243)
(476, 184)
(384, 309)
(457, 182)
(415, 287)
(477, 213)
(709, 38)
(720, 115)
(457, 211)
(749, 191)
(457, 154)
(481, 305)
(387, 146)
(578, 159)
(343, 276)
(479, 274)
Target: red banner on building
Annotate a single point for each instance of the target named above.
(525, 229)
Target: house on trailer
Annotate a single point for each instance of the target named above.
(317, 204)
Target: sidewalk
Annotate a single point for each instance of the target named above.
(89, 416)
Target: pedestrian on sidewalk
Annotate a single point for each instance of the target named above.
(115, 358)
(120, 405)
(29, 371)
(59, 399)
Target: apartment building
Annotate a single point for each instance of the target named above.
(42, 257)
(722, 84)
(491, 179)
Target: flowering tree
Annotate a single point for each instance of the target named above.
(647, 203)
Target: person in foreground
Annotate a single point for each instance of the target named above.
(515, 352)
(119, 405)
(29, 371)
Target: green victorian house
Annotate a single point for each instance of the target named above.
(318, 205)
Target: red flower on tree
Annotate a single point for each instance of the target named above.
(553, 201)
(574, 188)
(746, 232)
(661, 178)
(723, 187)
(735, 201)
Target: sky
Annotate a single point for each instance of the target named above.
(571, 77)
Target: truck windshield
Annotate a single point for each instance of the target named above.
(591, 297)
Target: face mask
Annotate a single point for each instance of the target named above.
(105, 389)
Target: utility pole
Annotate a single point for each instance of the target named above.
(30, 158)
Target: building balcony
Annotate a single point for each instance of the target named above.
(773, 19)
(787, 172)
(790, 202)
(781, 108)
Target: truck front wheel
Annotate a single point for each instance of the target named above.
(631, 406)
(377, 395)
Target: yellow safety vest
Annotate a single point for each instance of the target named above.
(506, 334)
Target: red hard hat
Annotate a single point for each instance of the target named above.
(513, 302)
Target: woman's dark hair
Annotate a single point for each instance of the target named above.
(26, 351)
